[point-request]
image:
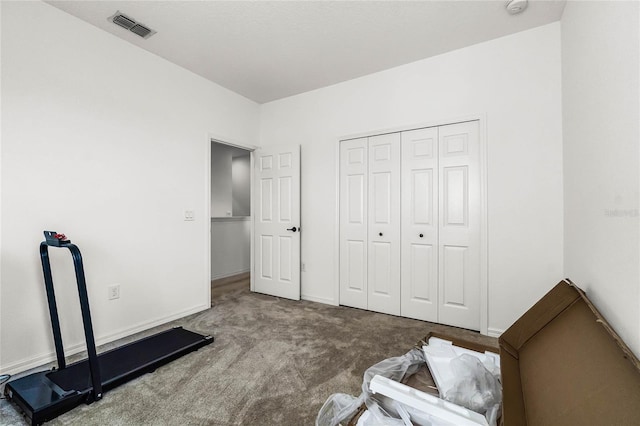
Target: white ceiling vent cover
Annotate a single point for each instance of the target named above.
(130, 24)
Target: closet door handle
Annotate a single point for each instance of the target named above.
(380, 234)
(421, 235)
(294, 229)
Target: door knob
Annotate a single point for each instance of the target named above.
(294, 229)
(380, 234)
(421, 235)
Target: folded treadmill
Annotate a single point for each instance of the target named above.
(45, 395)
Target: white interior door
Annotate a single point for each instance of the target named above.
(384, 224)
(277, 221)
(459, 233)
(353, 223)
(419, 250)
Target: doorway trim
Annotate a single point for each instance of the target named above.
(214, 138)
(481, 118)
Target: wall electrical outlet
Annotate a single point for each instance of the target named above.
(189, 215)
(114, 291)
(303, 267)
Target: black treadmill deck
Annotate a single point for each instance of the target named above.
(45, 395)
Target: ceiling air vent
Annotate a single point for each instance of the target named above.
(141, 30)
(132, 25)
(123, 21)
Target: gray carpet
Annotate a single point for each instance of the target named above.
(273, 362)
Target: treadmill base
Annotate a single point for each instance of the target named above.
(45, 395)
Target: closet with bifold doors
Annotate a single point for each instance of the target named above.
(410, 211)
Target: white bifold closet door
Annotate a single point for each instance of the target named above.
(441, 225)
(459, 228)
(410, 224)
(384, 224)
(353, 222)
(419, 298)
(370, 223)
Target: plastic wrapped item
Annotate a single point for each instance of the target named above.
(475, 387)
(493, 414)
(382, 411)
(340, 407)
(440, 352)
(432, 407)
(408, 417)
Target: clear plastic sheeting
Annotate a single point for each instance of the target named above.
(381, 411)
(465, 377)
(339, 408)
(475, 387)
(439, 353)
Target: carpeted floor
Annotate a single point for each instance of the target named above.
(273, 362)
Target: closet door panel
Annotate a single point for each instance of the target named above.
(420, 278)
(459, 229)
(353, 222)
(419, 247)
(381, 263)
(384, 224)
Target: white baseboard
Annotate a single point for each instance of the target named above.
(494, 332)
(324, 300)
(229, 274)
(45, 360)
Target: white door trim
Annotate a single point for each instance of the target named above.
(483, 139)
(336, 235)
(211, 138)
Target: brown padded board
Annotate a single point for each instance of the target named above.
(562, 364)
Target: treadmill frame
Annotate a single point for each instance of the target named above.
(94, 366)
(62, 400)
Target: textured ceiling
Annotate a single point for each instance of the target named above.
(266, 50)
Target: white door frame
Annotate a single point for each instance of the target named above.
(212, 138)
(484, 248)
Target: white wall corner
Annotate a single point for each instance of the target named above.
(336, 243)
(1, 369)
(601, 225)
(636, 345)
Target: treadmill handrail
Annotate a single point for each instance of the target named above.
(94, 366)
(53, 307)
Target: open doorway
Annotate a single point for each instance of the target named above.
(230, 219)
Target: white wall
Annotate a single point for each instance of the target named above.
(107, 143)
(222, 180)
(600, 89)
(1, 115)
(241, 185)
(515, 81)
(230, 246)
